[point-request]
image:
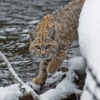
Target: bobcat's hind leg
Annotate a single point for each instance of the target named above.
(56, 62)
(42, 76)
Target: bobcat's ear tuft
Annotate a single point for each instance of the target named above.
(32, 34)
(51, 33)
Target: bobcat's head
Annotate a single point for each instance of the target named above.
(43, 42)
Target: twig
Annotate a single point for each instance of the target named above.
(11, 69)
(91, 93)
(27, 87)
(94, 77)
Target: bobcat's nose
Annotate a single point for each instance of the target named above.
(43, 52)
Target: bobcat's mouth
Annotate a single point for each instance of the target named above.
(48, 56)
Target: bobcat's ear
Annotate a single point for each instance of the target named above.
(32, 34)
(51, 33)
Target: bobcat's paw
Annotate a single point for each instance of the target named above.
(38, 81)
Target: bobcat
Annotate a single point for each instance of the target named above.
(53, 36)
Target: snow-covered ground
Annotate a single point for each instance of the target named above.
(89, 40)
(65, 88)
(10, 93)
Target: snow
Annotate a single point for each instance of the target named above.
(28, 90)
(67, 86)
(10, 93)
(64, 89)
(55, 77)
(77, 64)
(34, 22)
(2, 37)
(10, 29)
(33, 85)
(14, 92)
(89, 40)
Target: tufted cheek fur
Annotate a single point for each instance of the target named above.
(32, 48)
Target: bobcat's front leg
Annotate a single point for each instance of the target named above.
(56, 62)
(42, 76)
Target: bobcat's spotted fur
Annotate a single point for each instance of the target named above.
(53, 36)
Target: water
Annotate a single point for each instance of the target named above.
(17, 17)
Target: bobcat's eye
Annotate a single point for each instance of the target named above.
(47, 47)
(37, 47)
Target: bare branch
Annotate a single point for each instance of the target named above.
(94, 77)
(28, 89)
(11, 69)
(93, 95)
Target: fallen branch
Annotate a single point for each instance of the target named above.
(27, 88)
(11, 69)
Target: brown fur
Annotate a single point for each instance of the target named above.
(42, 76)
(55, 32)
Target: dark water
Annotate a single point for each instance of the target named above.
(17, 17)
